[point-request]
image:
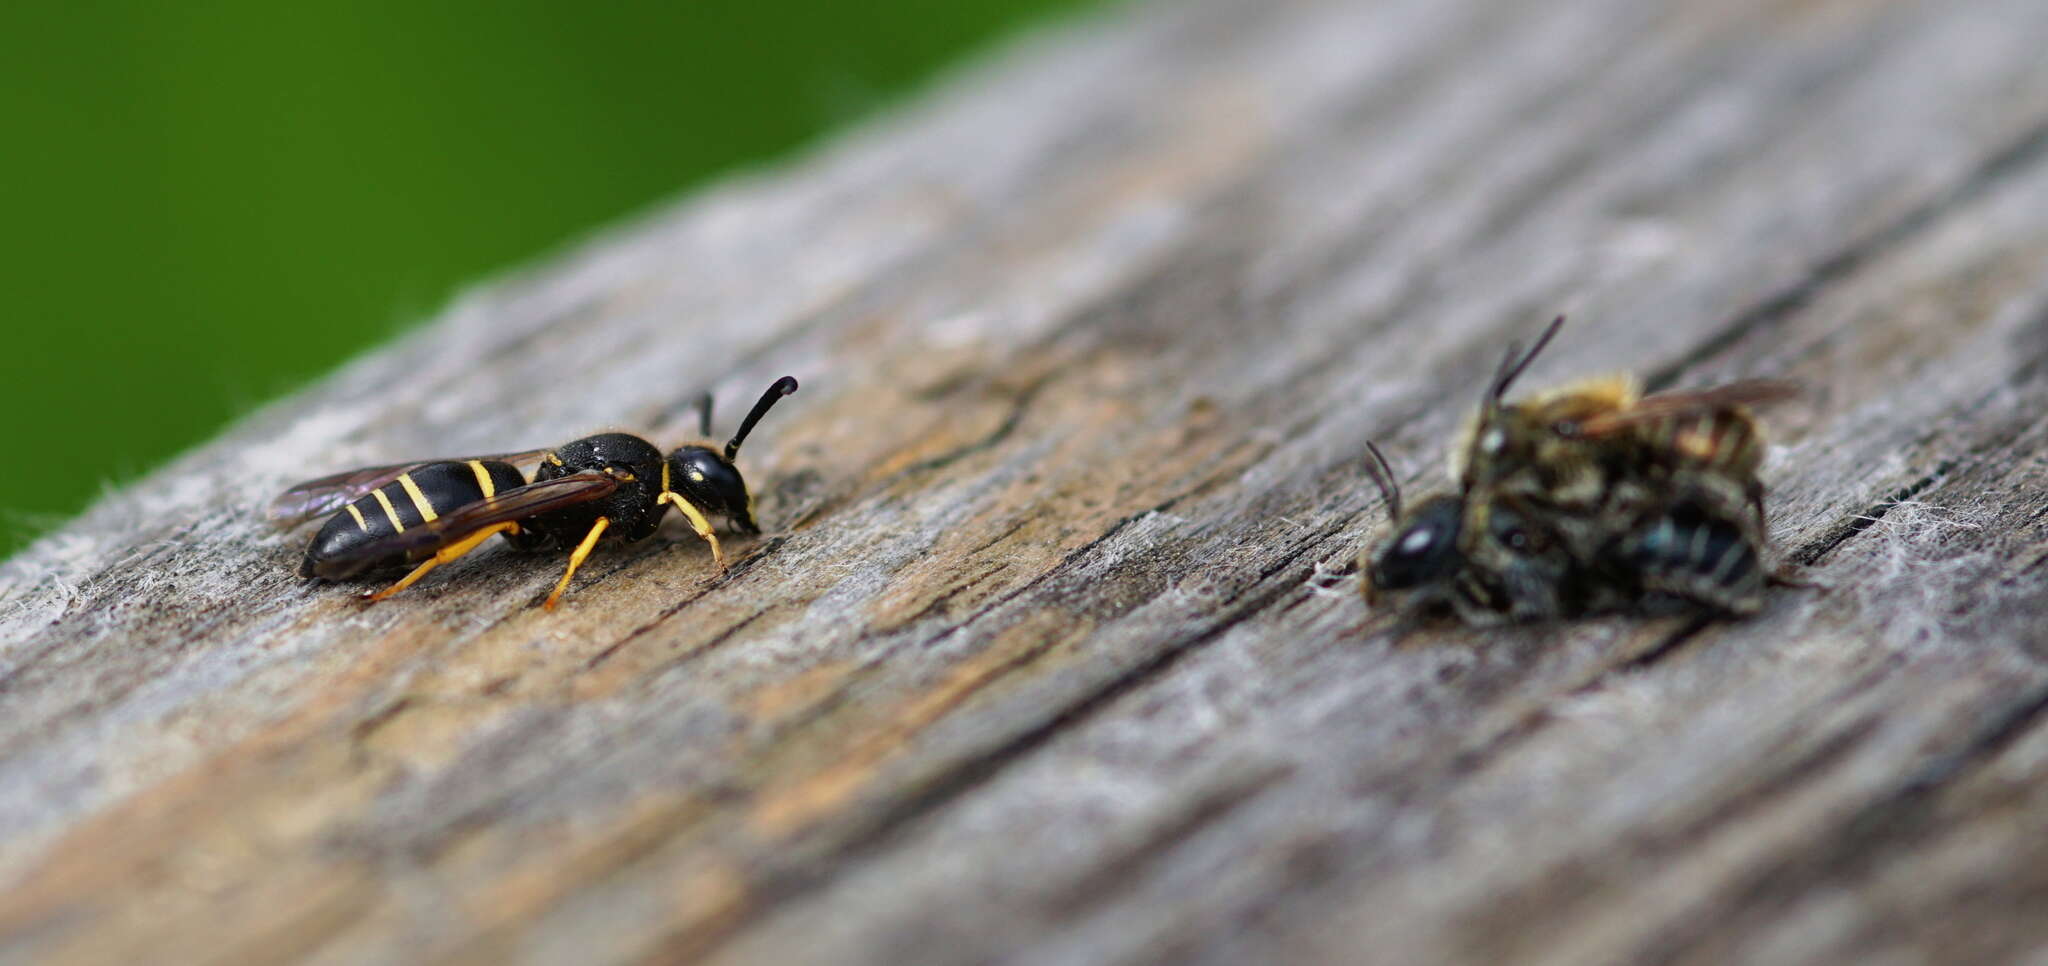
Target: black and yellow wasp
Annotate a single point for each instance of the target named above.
(611, 486)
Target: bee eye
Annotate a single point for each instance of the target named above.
(1417, 541)
(1423, 549)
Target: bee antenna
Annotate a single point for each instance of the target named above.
(783, 387)
(704, 414)
(1383, 476)
(1512, 364)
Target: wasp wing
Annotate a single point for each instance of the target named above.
(329, 494)
(1672, 405)
(514, 504)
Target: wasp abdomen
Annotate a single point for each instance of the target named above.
(414, 499)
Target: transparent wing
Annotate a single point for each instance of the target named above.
(1670, 405)
(329, 494)
(514, 504)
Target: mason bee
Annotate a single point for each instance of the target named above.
(1589, 497)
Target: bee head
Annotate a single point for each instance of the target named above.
(1422, 550)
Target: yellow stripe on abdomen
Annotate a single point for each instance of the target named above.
(361, 524)
(390, 513)
(419, 500)
(483, 479)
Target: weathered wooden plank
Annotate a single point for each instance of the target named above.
(1036, 661)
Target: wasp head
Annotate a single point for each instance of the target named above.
(712, 484)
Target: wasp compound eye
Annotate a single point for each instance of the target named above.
(710, 483)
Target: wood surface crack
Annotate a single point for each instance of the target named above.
(1656, 654)
(821, 708)
(1472, 758)
(2038, 563)
(1877, 832)
(994, 438)
(1856, 524)
(738, 568)
(1197, 812)
(966, 774)
(892, 818)
(1007, 533)
(2018, 155)
(938, 602)
(1787, 776)
(1066, 562)
(1033, 667)
(694, 653)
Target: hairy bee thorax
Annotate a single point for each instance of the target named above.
(1589, 396)
(1499, 434)
(1534, 450)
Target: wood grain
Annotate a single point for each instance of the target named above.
(1048, 654)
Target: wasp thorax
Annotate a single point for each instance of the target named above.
(622, 455)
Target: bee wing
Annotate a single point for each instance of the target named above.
(330, 493)
(1669, 405)
(514, 504)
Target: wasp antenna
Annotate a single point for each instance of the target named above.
(783, 387)
(704, 414)
(1511, 367)
(1383, 475)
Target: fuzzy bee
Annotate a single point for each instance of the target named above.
(1589, 497)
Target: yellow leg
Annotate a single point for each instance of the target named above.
(446, 554)
(576, 559)
(697, 523)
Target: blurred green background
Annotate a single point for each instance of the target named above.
(212, 203)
